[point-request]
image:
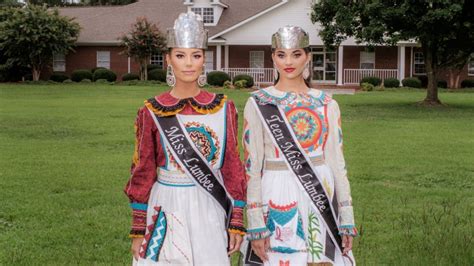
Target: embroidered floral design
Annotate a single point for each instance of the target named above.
(315, 247)
(308, 125)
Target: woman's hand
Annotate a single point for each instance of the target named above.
(136, 243)
(260, 247)
(347, 244)
(234, 242)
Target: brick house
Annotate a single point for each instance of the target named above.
(239, 41)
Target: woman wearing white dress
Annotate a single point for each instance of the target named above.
(283, 227)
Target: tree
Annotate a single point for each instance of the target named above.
(443, 28)
(31, 35)
(144, 40)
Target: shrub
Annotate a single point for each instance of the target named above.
(366, 87)
(424, 81)
(130, 76)
(151, 67)
(411, 82)
(228, 85)
(80, 74)
(102, 81)
(247, 78)
(68, 81)
(86, 81)
(58, 76)
(240, 84)
(391, 83)
(442, 84)
(96, 68)
(467, 83)
(157, 74)
(217, 78)
(372, 80)
(107, 74)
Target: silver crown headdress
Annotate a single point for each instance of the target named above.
(290, 37)
(188, 32)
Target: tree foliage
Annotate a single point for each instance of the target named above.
(443, 28)
(31, 35)
(143, 40)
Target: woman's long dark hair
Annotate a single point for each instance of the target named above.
(307, 81)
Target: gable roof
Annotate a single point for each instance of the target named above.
(238, 11)
(104, 25)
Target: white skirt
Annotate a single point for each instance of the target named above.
(194, 232)
(298, 236)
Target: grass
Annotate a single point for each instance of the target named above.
(66, 152)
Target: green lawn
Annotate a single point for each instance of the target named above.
(66, 152)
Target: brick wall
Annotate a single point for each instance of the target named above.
(239, 55)
(443, 74)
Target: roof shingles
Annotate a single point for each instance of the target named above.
(104, 25)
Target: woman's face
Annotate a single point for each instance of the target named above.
(187, 63)
(290, 63)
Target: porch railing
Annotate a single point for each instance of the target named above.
(354, 76)
(259, 75)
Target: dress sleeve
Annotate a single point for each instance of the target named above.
(143, 170)
(233, 171)
(333, 152)
(253, 142)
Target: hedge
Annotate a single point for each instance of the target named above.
(107, 74)
(157, 74)
(372, 80)
(249, 80)
(411, 82)
(58, 76)
(80, 74)
(130, 76)
(467, 83)
(391, 83)
(217, 78)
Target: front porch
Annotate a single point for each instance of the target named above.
(344, 67)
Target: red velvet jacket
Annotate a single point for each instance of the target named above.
(149, 155)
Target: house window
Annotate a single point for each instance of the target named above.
(103, 59)
(157, 59)
(59, 62)
(419, 63)
(470, 66)
(257, 59)
(367, 60)
(207, 14)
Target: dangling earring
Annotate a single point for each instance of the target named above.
(306, 71)
(275, 72)
(170, 78)
(202, 80)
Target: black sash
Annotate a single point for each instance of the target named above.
(276, 124)
(192, 161)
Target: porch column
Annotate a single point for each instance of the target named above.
(401, 63)
(340, 70)
(226, 56)
(218, 57)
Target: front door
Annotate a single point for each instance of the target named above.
(324, 65)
